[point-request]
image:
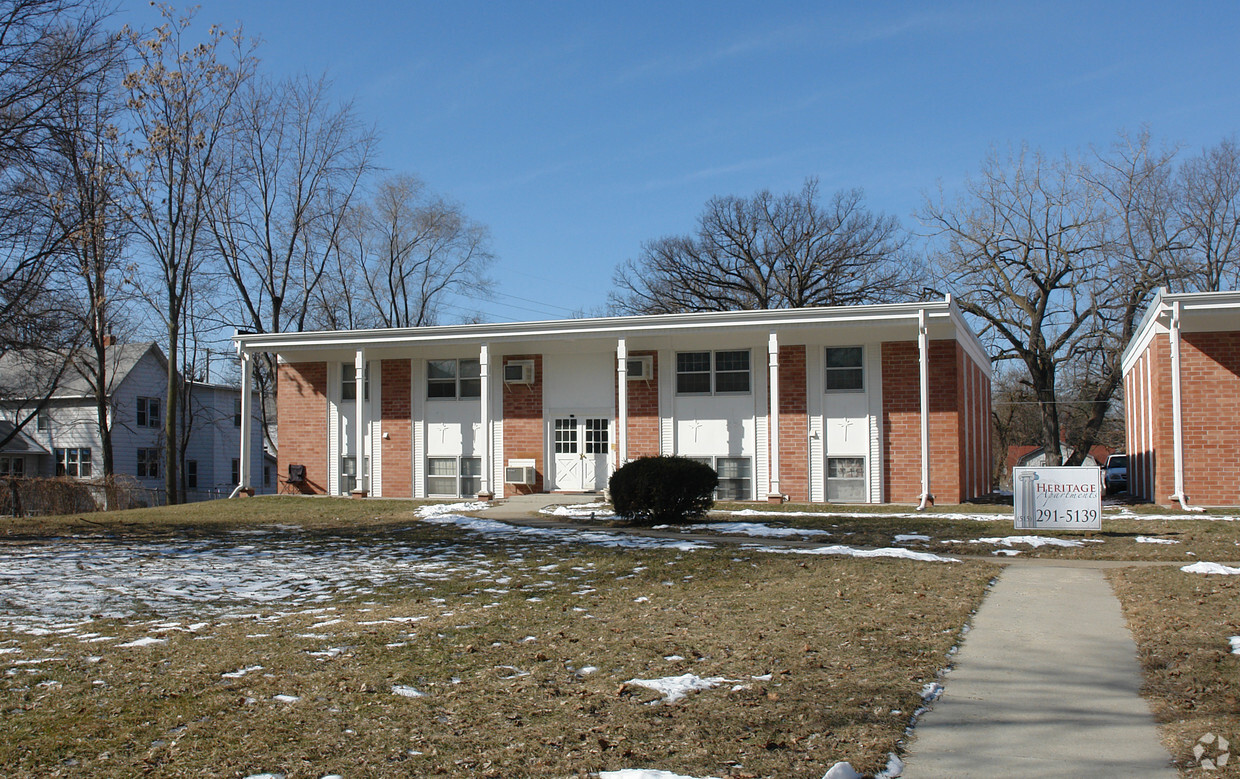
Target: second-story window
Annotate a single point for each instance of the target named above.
(148, 412)
(453, 379)
(701, 373)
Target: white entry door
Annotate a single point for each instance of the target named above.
(581, 453)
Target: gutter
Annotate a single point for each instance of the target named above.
(923, 360)
(1177, 412)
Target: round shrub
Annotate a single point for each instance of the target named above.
(662, 490)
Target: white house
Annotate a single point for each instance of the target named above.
(874, 404)
(65, 440)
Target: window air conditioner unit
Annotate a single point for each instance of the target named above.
(640, 368)
(519, 372)
(522, 474)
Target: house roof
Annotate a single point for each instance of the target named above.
(18, 370)
(938, 312)
(20, 443)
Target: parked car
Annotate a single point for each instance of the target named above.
(1115, 474)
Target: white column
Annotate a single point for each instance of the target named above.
(1177, 412)
(773, 494)
(484, 398)
(359, 367)
(622, 403)
(247, 426)
(923, 360)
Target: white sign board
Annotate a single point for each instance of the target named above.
(1062, 498)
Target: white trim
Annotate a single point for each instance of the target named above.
(772, 435)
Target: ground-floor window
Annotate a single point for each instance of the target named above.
(453, 477)
(73, 462)
(236, 471)
(191, 474)
(148, 463)
(735, 476)
(846, 479)
(13, 466)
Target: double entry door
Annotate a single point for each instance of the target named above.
(581, 449)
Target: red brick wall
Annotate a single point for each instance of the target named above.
(523, 424)
(974, 426)
(1210, 392)
(643, 399)
(902, 422)
(396, 421)
(301, 412)
(793, 424)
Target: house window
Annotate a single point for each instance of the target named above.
(73, 462)
(453, 379)
(846, 479)
(236, 412)
(41, 422)
(453, 477)
(348, 475)
(701, 373)
(348, 382)
(13, 466)
(266, 475)
(734, 476)
(844, 371)
(148, 412)
(236, 471)
(148, 463)
(596, 436)
(191, 474)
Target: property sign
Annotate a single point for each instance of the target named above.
(1058, 498)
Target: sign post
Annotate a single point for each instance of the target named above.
(1059, 498)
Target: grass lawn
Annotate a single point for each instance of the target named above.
(308, 637)
(1181, 623)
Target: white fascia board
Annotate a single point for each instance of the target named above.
(968, 339)
(1157, 317)
(604, 326)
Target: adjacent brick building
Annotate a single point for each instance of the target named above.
(1181, 386)
(807, 404)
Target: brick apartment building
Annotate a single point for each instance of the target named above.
(862, 404)
(1181, 388)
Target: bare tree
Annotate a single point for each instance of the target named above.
(768, 251)
(182, 100)
(401, 257)
(1024, 246)
(48, 49)
(1210, 211)
(297, 161)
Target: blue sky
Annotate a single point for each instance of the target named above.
(578, 130)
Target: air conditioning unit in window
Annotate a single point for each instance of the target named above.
(519, 372)
(640, 368)
(522, 474)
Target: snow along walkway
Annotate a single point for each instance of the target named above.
(1045, 684)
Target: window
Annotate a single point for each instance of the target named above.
(844, 371)
(191, 474)
(236, 471)
(266, 475)
(148, 463)
(73, 462)
(453, 477)
(236, 412)
(148, 412)
(41, 421)
(596, 435)
(846, 479)
(13, 466)
(348, 474)
(734, 476)
(348, 382)
(453, 379)
(700, 373)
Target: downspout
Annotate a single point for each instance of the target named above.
(923, 360)
(1177, 413)
(243, 479)
(484, 405)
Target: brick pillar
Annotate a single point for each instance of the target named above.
(396, 426)
(301, 412)
(793, 423)
(523, 424)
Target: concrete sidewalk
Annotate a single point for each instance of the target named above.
(1046, 684)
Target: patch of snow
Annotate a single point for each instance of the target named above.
(241, 672)
(674, 688)
(1152, 540)
(1006, 552)
(904, 538)
(842, 771)
(1235, 644)
(1033, 541)
(439, 509)
(931, 692)
(849, 551)
(895, 767)
(407, 692)
(757, 529)
(148, 641)
(1204, 567)
(493, 528)
(641, 599)
(286, 698)
(646, 773)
